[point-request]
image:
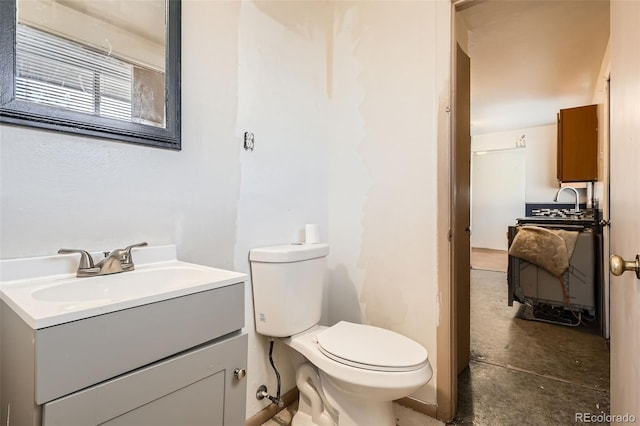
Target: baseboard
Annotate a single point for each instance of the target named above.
(271, 410)
(290, 397)
(419, 406)
(489, 250)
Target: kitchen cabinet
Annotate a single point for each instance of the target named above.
(578, 144)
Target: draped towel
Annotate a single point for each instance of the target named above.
(550, 249)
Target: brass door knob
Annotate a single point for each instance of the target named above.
(618, 265)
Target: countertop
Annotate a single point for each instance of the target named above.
(45, 292)
(545, 220)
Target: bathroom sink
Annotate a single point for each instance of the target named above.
(54, 298)
(109, 288)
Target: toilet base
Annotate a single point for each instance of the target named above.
(323, 404)
(353, 410)
(313, 407)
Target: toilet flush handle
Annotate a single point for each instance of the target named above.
(618, 265)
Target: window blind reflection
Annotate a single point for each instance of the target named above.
(53, 71)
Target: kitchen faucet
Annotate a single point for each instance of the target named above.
(118, 260)
(555, 199)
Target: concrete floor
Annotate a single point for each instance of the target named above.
(527, 372)
(521, 372)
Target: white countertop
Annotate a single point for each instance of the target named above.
(44, 292)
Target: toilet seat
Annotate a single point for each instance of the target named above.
(371, 348)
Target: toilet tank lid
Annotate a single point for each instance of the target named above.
(288, 253)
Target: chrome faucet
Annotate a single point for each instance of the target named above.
(555, 199)
(118, 260)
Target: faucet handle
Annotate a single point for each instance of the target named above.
(142, 244)
(86, 261)
(126, 255)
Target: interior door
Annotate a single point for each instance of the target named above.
(625, 205)
(461, 232)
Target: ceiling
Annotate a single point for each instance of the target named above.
(146, 18)
(530, 58)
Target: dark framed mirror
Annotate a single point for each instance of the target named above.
(101, 69)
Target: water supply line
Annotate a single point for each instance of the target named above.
(262, 392)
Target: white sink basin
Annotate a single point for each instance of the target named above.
(124, 285)
(50, 300)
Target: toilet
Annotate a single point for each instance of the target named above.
(354, 371)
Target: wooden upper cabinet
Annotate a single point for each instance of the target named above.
(578, 144)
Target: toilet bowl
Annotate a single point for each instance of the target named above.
(354, 371)
(361, 370)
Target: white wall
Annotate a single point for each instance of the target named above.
(497, 195)
(383, 167)
(282, 99)
(261, 69)
(541, 181)
(60, 190)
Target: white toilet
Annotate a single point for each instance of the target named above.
(355, 371)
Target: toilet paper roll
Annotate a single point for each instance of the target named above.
(311, 234)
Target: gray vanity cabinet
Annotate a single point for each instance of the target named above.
(196, 388)
(169, 363)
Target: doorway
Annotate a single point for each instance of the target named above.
(509, 356)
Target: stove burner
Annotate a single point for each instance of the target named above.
(563, 213)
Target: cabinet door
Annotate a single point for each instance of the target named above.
(578, 144)
(195, 388)
(198, 404)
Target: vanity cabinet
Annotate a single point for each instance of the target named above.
(170, 362)
(578, 144)
(195, 388)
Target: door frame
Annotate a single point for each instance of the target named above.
(446, 336)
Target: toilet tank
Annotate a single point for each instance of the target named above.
(287, 284)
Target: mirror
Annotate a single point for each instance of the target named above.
(97, 68)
